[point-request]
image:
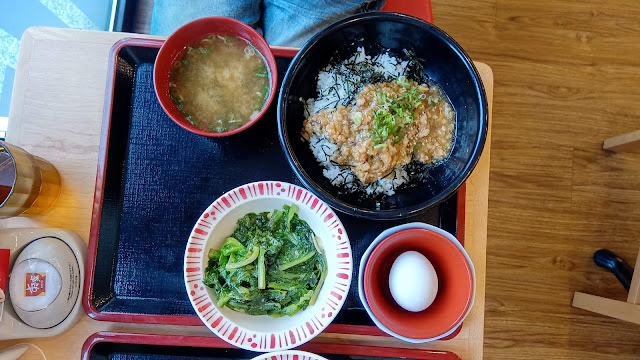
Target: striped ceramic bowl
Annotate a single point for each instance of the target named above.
(265, 333)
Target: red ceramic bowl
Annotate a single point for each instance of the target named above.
(455, 284)
(192, 33)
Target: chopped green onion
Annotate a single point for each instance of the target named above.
(417, 146)
(190, 118)
(398, 138)
(380, 146)
(204, 51)
(403, 81)
(356, 117)
(262, 72)
(393, 113)
(262, 97)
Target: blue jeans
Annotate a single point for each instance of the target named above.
(282, 22)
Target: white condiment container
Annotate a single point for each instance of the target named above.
(44, 292)
(45, 282)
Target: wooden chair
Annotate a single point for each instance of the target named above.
(628, 142)
(629, 310)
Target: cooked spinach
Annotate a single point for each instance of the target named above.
(272, 264)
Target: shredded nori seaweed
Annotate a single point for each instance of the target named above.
(365, 71)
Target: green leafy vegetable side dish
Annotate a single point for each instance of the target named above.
(272, 264)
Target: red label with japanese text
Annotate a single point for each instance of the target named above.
(34, 284)
(4, 272)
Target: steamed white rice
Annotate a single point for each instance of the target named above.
(335, 85)
(333, 80)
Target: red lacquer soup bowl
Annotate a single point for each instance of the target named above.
(191, 34)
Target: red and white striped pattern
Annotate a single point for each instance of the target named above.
(289, 355)
(337, 282)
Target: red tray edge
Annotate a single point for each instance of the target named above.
(97, 212)
(215, 342)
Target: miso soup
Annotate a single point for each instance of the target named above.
(219, 84)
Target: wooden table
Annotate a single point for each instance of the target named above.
(56, 113)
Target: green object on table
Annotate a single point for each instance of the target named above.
(270, 265)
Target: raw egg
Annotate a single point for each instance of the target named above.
(413, 281)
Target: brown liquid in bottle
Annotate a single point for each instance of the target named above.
(29, 185)
(7, 175)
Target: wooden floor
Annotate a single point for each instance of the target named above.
(567, 76)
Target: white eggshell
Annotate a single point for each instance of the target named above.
(413, 281)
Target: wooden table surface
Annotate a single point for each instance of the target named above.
(566, 79)
(56, 113)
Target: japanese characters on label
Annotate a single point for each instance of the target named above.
(34, 284)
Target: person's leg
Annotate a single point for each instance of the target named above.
(169, 15)
(293, 22)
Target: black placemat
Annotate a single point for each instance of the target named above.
(158, 180)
